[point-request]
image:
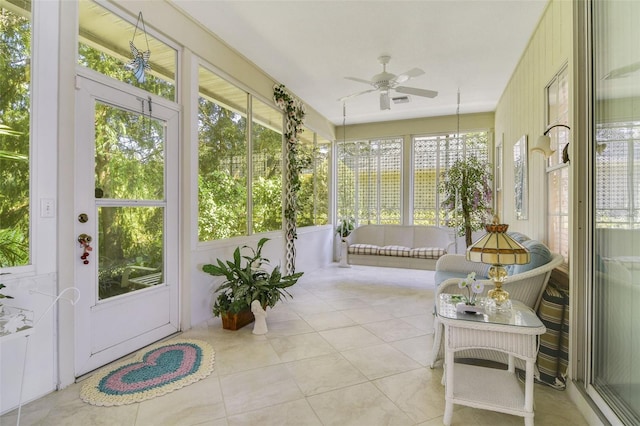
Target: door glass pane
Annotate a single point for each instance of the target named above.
(130, 249)
(616, 259)
(129, 160)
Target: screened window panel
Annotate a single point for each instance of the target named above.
(347, 153)
(313, 197)
(432, 155)
(266, 159)
(425, 181)
(369, 178)
(222, 159)
(322, 164)
(390, 184)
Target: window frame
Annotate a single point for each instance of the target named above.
(43, 130)
(559, 166)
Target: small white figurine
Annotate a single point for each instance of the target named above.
(260, 326)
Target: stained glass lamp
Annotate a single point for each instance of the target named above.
(498, 249)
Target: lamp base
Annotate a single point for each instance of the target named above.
(499, 295)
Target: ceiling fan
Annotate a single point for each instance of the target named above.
(385, 82)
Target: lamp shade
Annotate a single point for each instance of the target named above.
(543, 146)
(498, 248)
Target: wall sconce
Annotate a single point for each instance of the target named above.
(544, 144)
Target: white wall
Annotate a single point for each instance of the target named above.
(41, 373)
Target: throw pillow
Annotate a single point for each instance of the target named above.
(540, 255)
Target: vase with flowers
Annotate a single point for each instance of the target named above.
(469, 303)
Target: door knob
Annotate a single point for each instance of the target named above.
(84, 238)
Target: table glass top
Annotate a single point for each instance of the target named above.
(519, 315)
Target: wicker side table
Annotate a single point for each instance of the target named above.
(514, 333)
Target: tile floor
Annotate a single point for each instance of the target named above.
(350, 348)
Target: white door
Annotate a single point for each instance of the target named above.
(127, 220)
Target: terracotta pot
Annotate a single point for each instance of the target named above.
(236, 321)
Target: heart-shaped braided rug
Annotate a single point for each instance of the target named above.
(156, 370)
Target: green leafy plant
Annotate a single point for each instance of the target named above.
(467, 195)
(295, 113)
(345, 226)
(4, 296)
(246, 280)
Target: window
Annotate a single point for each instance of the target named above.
(557, 94)
(266, 159)
(222, 159)
(104, 47)
(370, 181)
(15, 117)
(431, 156)
(313, 197)
(240, 179)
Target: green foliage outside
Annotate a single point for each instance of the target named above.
(15, 48)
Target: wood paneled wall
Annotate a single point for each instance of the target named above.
(521, 111)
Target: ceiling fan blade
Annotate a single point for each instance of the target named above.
(415, 91)
(622, 71)
(353, 95)
(359, 80)
(414, 72)
(385, 102)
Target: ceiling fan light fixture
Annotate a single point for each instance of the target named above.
(385, 81)
(384, 101)
(400, 99)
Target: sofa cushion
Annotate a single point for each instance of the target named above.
(399, 251)
(540, 255)
(520, 238)
(363, 249)
(428, 252)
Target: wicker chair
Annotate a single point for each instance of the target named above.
(527, 287)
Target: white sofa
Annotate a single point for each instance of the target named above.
(398, 246)
(525, 283)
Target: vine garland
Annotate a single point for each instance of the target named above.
(294, 119)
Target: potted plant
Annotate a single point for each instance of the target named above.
(4, 296)
(345, 226)
(246, 280)
(467, 195)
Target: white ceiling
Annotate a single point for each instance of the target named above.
(310, 46)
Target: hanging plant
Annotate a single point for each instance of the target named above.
(294, 113)
(467, 195)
